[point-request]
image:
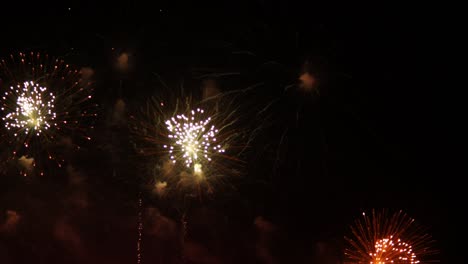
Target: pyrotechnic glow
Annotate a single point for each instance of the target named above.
(197, 169)
(194, 139)
(45, 107)
(193, 147)
(389, 251)
(383, 239)
(34, 109)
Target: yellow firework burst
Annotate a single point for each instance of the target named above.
(384, 238)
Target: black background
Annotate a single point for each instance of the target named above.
(383, 125)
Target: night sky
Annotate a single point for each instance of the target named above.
(369, 135)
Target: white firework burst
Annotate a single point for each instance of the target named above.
(194, 140)
(33, 110)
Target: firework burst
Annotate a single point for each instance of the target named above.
(44, 106)
(192, 146)
(383, 238)
(193, 138)
(34, 109)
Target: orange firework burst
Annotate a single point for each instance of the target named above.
(383, 238)
(44, 105)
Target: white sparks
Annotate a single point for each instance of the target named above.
(33, 111)
(192, 140)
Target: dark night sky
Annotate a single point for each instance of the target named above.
(372, 139)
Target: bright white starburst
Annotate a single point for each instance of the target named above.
(33, 111)
(194, 140)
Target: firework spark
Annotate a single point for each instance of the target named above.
(388, 250)
(140, 229)
(193, 140)
(45, 105)
(34, 109)
(195, 145)
(382, 238)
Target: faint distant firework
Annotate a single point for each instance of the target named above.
(382, 238)
(45, 107)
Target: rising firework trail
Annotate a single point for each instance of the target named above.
(139, 229)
